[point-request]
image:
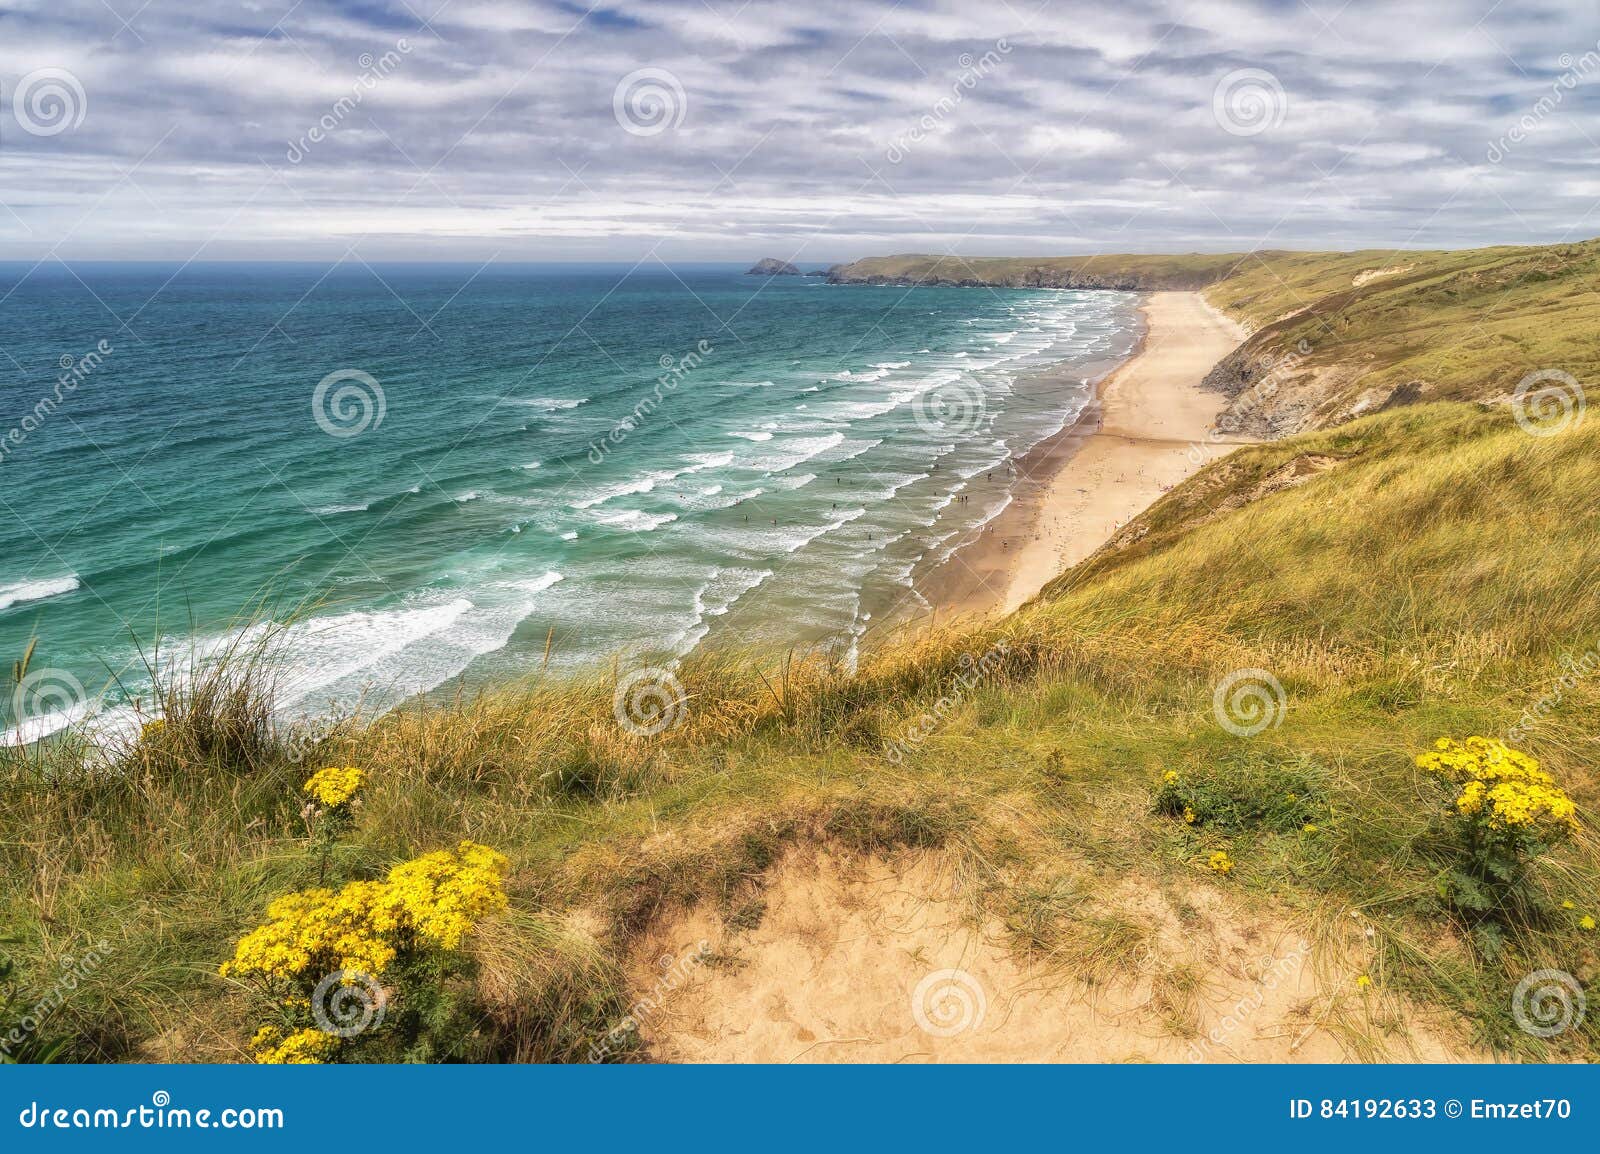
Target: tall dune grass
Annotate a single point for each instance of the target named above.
(1430, 582)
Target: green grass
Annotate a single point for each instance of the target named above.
(1463, 325)
(1183, 271)
(1428, 584)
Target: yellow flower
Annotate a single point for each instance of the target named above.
(336, 785)
(1501, 786)
(301, 1048)
(1291, 797)
(1170, 777)
(1567, 905)
(151, 730)
(1309, 827)
(440, 895)
(1221, 863)
(1188, 815)
(1586, 922)
(1363, 982)
(435, 899)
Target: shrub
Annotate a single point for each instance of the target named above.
(369, 972)
(1239, 795)
(1501, 812)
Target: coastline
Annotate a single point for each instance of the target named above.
(1131, 443)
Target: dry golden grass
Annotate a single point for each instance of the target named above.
(1431, 584)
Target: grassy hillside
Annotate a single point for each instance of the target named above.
(1336, 335)
(1418, 573)
(1339, 334)
(1127, 270)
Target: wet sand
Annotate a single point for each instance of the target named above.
(1136, 439)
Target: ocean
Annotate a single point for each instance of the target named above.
(446, 466)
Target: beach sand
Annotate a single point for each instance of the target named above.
(1134, 441)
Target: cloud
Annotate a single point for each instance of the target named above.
(468, 128)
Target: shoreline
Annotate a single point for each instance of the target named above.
(1131, 443)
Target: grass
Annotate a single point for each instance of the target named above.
(1430, 583)
(1466, 325)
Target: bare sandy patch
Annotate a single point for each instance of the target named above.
(1368, 275)
(873, 960)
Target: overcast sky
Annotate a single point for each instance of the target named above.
(820, 130)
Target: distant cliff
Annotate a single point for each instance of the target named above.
(1132, 272)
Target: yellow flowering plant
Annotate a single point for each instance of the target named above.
(336, 786)
(273, 1047)
(393, 942)
(332, 794)
(1501, 811)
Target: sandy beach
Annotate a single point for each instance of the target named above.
(1133, 442)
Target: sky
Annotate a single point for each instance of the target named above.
(816, 131)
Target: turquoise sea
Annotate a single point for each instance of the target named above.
(448, 462)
